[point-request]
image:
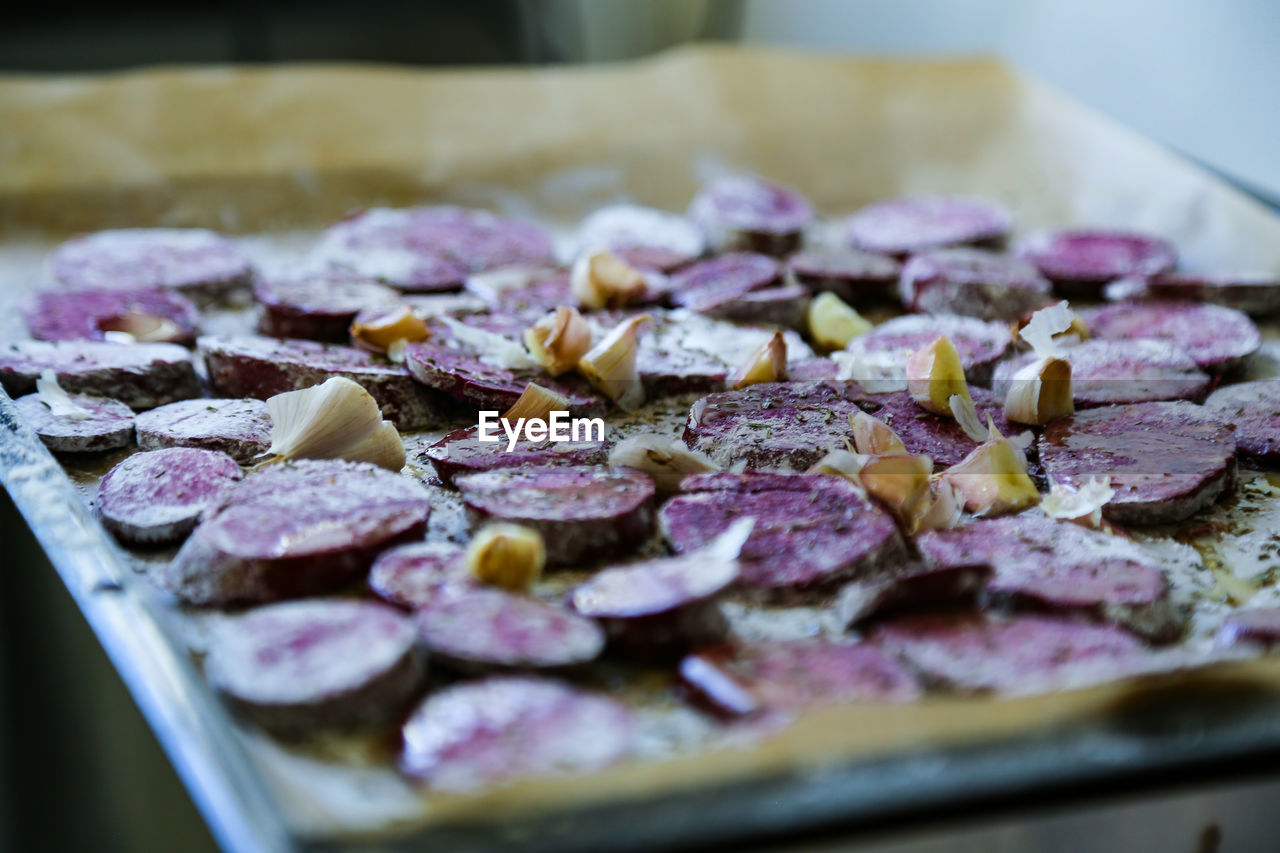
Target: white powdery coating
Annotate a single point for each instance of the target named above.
(147, 257)
(301, 652)
(107, 425)
(159, 495)
(977, 341)
(630, 226)
(233, 421)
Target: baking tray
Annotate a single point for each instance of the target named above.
(282, 150)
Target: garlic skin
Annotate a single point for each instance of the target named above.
(934, 374)
(604, 280)
(966, 415)
(492, 348)
(380, 333)
(536, 403)
(1041, 331)
(841, 463)
(610, 366)
(766, 364)
(506, 555)
(558, 340)
(872, 435)
(667, 461)
(941, 510)
(57, 399)
(335, 420)
(992, 480)
(1081, 506)
(1040, 392)
(833, 322)
(139, 328)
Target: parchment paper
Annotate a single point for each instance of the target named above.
(279, 150)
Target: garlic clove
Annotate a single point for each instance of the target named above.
(536, 403)
(833, 323)
(506, 555)
(1040, 392)
(841, 463)
(899, 481)
(941, 510)
(379, 333)
(335, 420)
(604, 280)
(139, 328)
(57, 399)
(934, 374)
(666, 460)
(766, 364)
(872, 435)
(610, 366)
(558, 340)
(992, 480)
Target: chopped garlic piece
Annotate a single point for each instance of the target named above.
(536, 403)
(666, 460)
(604, 280)
(993, 480)
(57, 399)
(1081, 505)
(558, 340)
(1040, 392)
(335, 420)
(833, 323)
(610, 365)
(507, 556)
(380, 333)
(767, 364)
(1044, 324)
(934, 374)
(872, 435)
(492, 348)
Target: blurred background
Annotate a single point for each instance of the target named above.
(78, 767)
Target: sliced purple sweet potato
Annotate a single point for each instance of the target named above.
(912, 587)
(1166, 461)
(1253, 408)
(1020, 654)
(1255, 293)
(855, 276)
(1107, 373)
(747, 212)
(318, 307)
(204, 266)
(972, 283)
(523, 292)
(980, 343)
(787, 675)
(158, 496)
(239, 428)
(462, 452)
(717, 285)
(301, 666)
(476, 628)
(1061, 566)
(659, 608)
(294, 529)
(645, 237)
(411, 575)
(1255, 625)
(1080, 262)
(142, 376)
(811, 532)
(101, 423)
(480, 734)
(1218, 339)
(583, 512)
(148, 316)
(259, 367)
(905, 226)
(429, 249)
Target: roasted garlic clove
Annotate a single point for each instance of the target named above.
(380, 333)
(934, 374)
(766, 364)
(1040, 392)
(872, 435)
(335, 420)
(604, 280)
(610, 366)
(506, 555)
(833, 323)
(666, 460)
(558, 340)
(992, 480)
(536, 403)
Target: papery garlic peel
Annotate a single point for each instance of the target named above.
(667, 461)
(334, 420)
(536, 403)
(610, 366)
(872, 435)
(1040, 392)
(558, 340)
(57, 399)
(767, 364)
(604, 280)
